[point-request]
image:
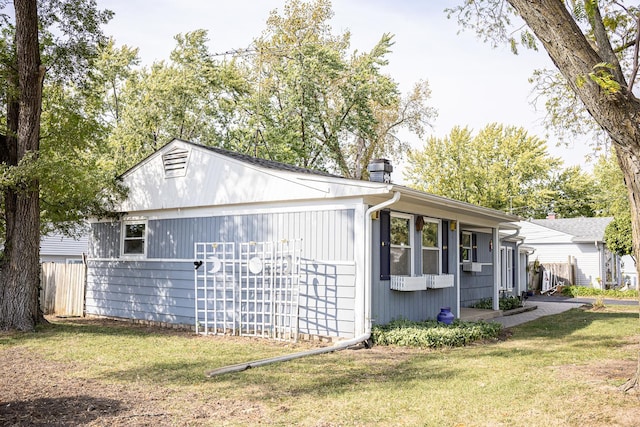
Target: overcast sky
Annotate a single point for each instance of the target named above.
(472, 83)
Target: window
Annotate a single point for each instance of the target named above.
(466, 247)
(134, 236)
(430, 247)
(401, 258)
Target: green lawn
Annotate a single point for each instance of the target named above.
(556, 371)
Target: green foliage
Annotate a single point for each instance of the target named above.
(574, 193)
(297, 95)
(618, 235)
(611, 197)
(433, 334)
(610, 24)
(504, 303)
(188, 97)
(583, 291)
(67, 167)
(501, 167)
(602, 75)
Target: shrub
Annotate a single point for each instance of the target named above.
(505, 303)
(583, 291)
(432, 334)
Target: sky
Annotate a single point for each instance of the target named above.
(472, 84)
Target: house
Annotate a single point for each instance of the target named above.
(576, 241)
(226, 242)
(61, 249)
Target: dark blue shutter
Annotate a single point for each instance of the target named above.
(445, 247)
(474, 247)
(385, 245)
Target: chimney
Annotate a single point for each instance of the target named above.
(380, 170)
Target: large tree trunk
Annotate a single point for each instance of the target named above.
(618, 112)
(20, 268)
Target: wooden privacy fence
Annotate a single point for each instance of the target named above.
(558, 273)
(62, 289)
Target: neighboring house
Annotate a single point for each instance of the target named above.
(58, 248)
(579, 241)
(233, 243)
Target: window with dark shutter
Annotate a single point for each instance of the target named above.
(445, 247)
(474, 247)
(385, 245)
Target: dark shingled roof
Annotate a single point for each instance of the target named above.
(583, 229)
(268, 164)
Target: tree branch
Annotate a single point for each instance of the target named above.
(603, 44)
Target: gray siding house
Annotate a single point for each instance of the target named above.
(61, 249)
(229, 243)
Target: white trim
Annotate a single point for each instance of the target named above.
(497, 268)
(455, 244)
(470, 247)
(123, 238)
(261, 208)
(412, 244)
(431, 248)
(362, 316)
(190, 260)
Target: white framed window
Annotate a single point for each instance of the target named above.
(466, 246)
(431, 244)
(134, 238)
(401, 244)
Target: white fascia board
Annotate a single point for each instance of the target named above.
(247, 209)
(453, 209)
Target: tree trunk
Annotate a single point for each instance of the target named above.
(618, 112)
(631, 172)
(20, 269)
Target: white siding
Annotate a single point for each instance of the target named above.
(587, 258)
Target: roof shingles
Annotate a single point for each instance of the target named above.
(582, 229)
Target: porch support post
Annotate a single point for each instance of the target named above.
(454, 248)
(496, 268)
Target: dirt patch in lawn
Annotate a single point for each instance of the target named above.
(39, 392)
(35, 391)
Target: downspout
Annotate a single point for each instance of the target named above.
(366, 288)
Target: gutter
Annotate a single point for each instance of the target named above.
(366, 288)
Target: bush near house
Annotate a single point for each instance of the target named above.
(433, 334)
(583, 291)
(505, 303)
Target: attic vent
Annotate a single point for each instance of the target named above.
(175, 162)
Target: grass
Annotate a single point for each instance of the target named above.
(558, 370)
(584, 291)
